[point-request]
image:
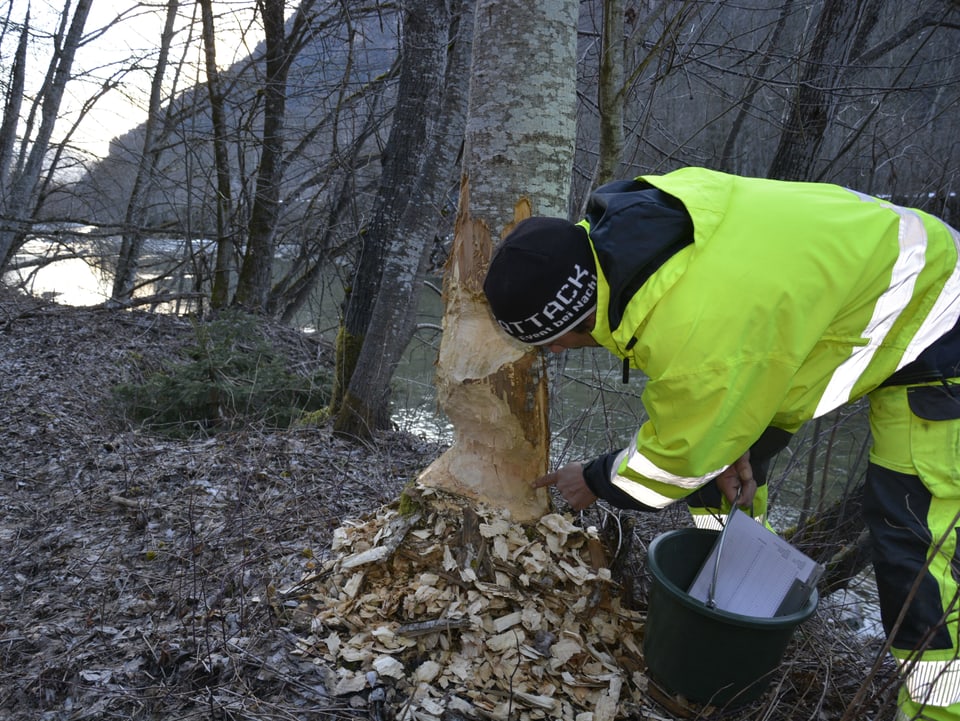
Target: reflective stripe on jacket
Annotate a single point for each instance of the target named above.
(791, 300)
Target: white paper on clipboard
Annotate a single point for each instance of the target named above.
(760, 574)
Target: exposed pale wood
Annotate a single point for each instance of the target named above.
(493, 390)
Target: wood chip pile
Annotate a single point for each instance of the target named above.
(455, 611)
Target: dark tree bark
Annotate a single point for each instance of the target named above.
(366, 406)
(611, 91)
(11, 110)
(131, 243)
(18, 204)
(840, 24)
(423, 49)
(253, 284)
(219, 297)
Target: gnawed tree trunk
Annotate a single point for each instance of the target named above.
(494, 391)
(518, 156)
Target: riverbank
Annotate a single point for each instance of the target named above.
(140, 576)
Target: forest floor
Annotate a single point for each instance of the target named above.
(143, 577)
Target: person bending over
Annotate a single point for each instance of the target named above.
(753, 306)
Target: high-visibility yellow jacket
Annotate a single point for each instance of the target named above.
(753, 303)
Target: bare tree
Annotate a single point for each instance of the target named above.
(132, 240)
(813, 104)
(317, 245)
(11, 110)
(611, 91)
(365, 406)
(20, 199)
(226, 237)
(423, 52)
(253, 285)
(746, 105)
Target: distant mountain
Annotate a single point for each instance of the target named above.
(338, 87)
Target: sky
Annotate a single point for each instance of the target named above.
(110, 46)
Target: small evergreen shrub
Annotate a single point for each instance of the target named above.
(230, 378)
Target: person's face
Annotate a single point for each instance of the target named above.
(570, 340)
(578, 337)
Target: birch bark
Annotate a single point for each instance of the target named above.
(518, 156)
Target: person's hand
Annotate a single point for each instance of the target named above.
(738, 477)
(571, 484)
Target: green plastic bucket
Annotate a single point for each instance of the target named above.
(705, 654)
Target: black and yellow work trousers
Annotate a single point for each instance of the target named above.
(912, 509)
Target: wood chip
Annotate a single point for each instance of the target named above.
(495, 623)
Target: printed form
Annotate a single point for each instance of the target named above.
(760, 574)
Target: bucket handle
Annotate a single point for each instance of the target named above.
(711, 592)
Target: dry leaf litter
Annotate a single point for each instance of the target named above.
(223, 578)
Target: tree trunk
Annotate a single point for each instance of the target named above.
(219, 296)
(11, 110)
(366, 405)
(814, 102)
(131, 244)
(253, 283)
(20, 201)
(518, 157)
(611, 91)
(422, 53)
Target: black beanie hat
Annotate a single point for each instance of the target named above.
(542, 280)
